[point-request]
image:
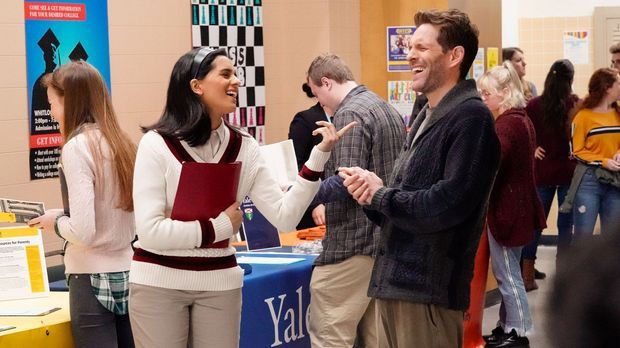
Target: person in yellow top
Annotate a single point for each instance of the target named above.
(596, 143)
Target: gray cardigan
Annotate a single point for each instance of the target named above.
(433, 208)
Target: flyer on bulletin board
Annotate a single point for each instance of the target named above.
(398, 48)
(23, 273)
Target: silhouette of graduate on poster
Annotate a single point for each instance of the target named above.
(41, 120)
(78, 53)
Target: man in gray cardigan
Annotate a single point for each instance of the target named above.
(432, 209)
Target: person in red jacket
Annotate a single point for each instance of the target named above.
(515, 211)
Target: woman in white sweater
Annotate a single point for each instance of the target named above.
(97, 161)
(184, 276)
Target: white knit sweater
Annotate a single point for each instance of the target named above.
(156, 178)
(99, 233)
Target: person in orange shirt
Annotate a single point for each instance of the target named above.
(596, 144)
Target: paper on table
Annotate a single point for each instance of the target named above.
(281, 161)
(27, 312)
(6, 327)
(268, 260)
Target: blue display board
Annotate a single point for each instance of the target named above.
(56, 33)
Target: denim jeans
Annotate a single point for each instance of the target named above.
(593, 200)
(564, 222)
(514, 311)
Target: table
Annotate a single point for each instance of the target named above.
(274, 311)
(51, 330)
(275, 303)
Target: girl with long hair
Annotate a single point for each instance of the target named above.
(97, 160)
(551, 116)
(596, 146)
(185, 284)
(516, 57)
(509, 229)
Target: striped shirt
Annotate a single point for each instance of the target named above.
(595, 136)
(373, 144)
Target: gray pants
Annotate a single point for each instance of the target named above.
(93, 325)
(170, 318)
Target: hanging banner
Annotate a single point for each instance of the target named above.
(237, 25)
(58, 32)
(398, 48)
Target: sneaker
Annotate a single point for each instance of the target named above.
(497, 336)
(511, 340)
(539, 275)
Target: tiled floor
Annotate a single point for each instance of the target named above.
(537, 300)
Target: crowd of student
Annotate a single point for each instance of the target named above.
(404, 212)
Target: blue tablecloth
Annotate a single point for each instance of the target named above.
(275, 303)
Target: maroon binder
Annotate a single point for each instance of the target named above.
(205, 190)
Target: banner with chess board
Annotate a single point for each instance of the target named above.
(237, 25)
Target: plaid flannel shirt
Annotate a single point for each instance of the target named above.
(112, 290)
(373, 144)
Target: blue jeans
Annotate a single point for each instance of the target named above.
(593, 200)
(564, 222)
(514, 311)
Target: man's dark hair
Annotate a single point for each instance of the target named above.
(615, 48)
(455, 29)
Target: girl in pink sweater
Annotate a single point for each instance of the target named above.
(98, 225)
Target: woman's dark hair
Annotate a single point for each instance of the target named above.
(184, 116)
(600, 81)
(558, 94)
(306, 88)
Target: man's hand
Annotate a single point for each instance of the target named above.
(318, 215)
(360, 183)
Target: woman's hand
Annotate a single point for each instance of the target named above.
(539, 153)
(330, 135)
(46, 221)
(612, 165)
(235, 215)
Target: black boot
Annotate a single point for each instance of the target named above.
(539, 275)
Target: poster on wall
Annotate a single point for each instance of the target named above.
(398, 48)
(402, 97)
(478, 65)
(576, 46)
(237, 26)
(58, 32)
(492, 57)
